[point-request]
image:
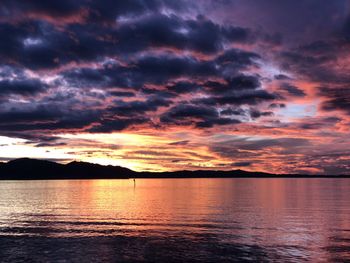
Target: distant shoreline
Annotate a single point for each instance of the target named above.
(232, 177)
(32, 169)
(178, 177)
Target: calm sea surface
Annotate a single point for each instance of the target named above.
(175, 220)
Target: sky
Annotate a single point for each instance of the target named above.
(163, 85)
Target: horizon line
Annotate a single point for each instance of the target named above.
(264, 174)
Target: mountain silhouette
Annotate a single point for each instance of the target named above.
(32, 169)
(26, 168)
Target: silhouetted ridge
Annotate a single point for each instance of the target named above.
(26, 168)
(90, 170)
(31, 169)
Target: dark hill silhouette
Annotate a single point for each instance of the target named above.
(90, 170)
(32, 169)
(25, 168)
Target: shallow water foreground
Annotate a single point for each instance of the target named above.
(175, 220)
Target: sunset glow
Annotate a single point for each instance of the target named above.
(216, 85)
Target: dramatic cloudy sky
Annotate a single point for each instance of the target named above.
(170, 85)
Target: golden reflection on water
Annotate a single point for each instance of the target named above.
(306, 218)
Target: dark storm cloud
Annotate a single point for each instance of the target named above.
(121, 41)
(337, 98)
(159, 93)
(54, 8)
(243, 82)
(34, 44)
(39, 44)
(345, 32)
(232, 85)
(241, 164)
(101, 11)
(235, 91)
(26, 115)
(160, 69)
(257, 114)
(277, 105)
(86, 77)
(117, 124)
(182, 112)
(243, 98)
(200, 116)
(109, 10)
(44, 117)
(208, 123)
(25, 87)
(293, 90)
(184, 87)
(147, 69)
(123, 108)
(198, 34)
(122, 93)
(281, 77)
(231, 111)
(235, 59)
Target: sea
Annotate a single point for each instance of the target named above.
(175, 220)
